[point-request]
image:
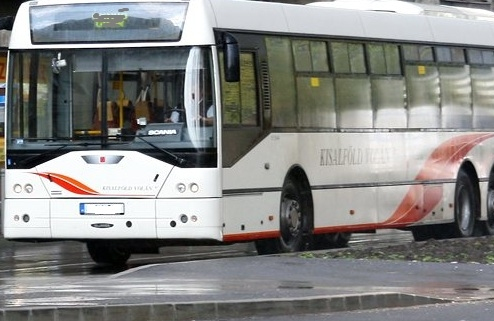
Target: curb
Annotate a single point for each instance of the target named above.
(219, 310)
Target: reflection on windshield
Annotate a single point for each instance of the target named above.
(163, 96)
(103, 22)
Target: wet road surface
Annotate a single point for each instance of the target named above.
(72, 259)
(59, 281)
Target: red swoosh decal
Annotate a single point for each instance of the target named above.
(443, 163)
(68, 183)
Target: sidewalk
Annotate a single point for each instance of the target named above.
(239, 287)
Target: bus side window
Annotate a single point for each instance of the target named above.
(281, 82)
(387, 86)
(240, 98)
(422, 83)
(316, 104)
(352, 85)
(240, 110)
(482, 78)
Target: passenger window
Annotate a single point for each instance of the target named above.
(483, 96)
(301, 55)
(384, 59)
(240, 98)
(282, 82)
(310, 56)
(418, 53)
(423, 96)
(348, 57)
(450, 55)
(480, 57)
(456, 97)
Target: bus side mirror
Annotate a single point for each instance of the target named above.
(231, 58)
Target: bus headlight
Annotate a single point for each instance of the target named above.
(28, 188)
(17, 188)
(181, 187)
(194, 188)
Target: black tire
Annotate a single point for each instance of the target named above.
(294, 223)
(342, 239)
(106, 253)
(330, 241)
(466, 206)
(293, 217)
(489, 224)
(423, 233)
(266, 247)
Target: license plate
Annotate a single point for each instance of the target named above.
(101, 208)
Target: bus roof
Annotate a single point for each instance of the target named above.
(316, 19)
(351, 23)
(397, 6)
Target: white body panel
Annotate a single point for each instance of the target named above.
(149, 195)
(345, 172)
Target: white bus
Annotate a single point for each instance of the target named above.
(133, 125)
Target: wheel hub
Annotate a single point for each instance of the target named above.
(292, 216)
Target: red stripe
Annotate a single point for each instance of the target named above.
(68, 183)
(346, 228)
(443, 163)
(251, 236)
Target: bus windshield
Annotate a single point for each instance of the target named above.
(133, 98)
(106, 22)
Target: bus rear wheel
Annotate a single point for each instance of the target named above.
(466, 206)
(107, 253)
(330, 241)
(489, 224)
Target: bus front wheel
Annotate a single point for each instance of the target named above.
(294, 222)
(106, 253)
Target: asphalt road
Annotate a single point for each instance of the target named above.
(463, 311)
(72, 259)
(58, 281)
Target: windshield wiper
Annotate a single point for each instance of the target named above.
(177, 160)
(53, 151)
(174, 158)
